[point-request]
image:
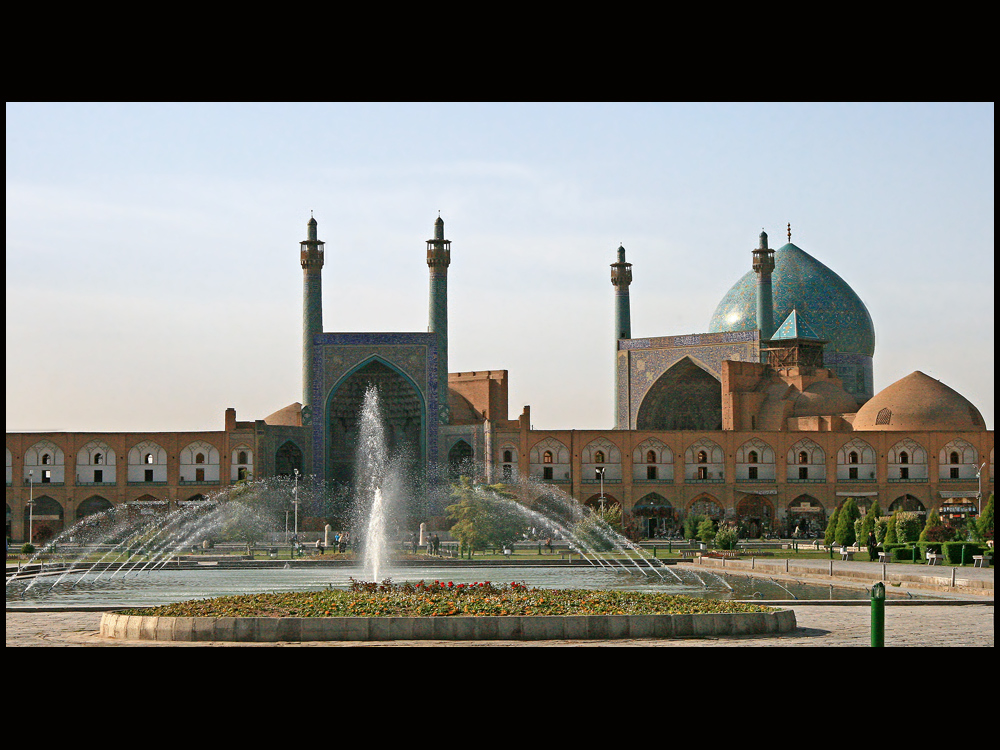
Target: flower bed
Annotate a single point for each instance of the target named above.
(446, 599)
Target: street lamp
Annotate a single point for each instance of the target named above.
(295, 502)
(31, 503)
(600, 473)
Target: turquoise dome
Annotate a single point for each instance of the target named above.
(800, 282)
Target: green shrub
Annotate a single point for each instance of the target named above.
(890, 529)
(849, 513)
(934, 530)
(953, 552)
(706, 530)
(907, 526)
(27, 548)
(691, 524)
(726, 538)
(831, 528)
(881, 529)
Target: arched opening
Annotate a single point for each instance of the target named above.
(287, 460)
(43, 519)
(460, 460)
(907, 503)
(755, 516)
(806, 517)
(656, 516)
(92, 506)
(403, 416)
(685, 397)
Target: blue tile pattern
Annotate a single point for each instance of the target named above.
(336, 355)
(648, 359)
(835, 312)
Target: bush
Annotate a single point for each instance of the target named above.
(726, 538)
(831, 528)
(691, 524)
(935, 531)
(849, 513)
(953, 552)
(908, 526)
(706, 530)
(890, 529)
(27, 548)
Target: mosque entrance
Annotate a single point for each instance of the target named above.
(403, 415)
(685, 397)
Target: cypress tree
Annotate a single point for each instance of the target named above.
(831, 528)
(849, 513)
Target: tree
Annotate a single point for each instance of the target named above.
(934, 530)
(890, 530)
(485, 516)
(849, 513)
(985, 523)
(907, 526)
(706, 530)
(691, 524)
(726, 537)
(598, 528)
(831, 528)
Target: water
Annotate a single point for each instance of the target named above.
(165, 585)
(373, 485)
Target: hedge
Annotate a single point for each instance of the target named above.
(952, 551)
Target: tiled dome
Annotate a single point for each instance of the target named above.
(802, 283)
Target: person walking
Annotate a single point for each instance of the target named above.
(872, 546)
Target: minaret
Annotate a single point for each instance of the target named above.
(438, 260)
(311, 257)
(621, 277)
(763, 265)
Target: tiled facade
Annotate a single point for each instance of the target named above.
(792, 467)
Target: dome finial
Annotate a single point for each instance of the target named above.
(789, 231)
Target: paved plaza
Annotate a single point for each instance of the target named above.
(827, 625)
(955, 619)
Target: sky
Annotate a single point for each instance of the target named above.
(153, 276)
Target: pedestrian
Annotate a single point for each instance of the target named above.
(436, 541)
(872, 546)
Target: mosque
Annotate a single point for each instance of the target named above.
(768, 419)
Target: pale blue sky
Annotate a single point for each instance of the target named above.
(152, 249)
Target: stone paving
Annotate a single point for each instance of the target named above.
(957, 619)
(827, 625)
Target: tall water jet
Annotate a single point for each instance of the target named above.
(372, 471)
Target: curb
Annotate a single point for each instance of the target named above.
(537, 628)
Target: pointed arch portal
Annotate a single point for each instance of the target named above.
(403, 413)
(685, 397)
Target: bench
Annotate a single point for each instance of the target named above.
(847, 554)
(981, 561)
(884, 557)
(934, 558)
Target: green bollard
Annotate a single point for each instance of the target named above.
(878, 615)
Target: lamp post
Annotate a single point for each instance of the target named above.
(31, 503)
(295, 502)
(600, 473)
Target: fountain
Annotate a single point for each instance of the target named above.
(372, 482)
(132, 555)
